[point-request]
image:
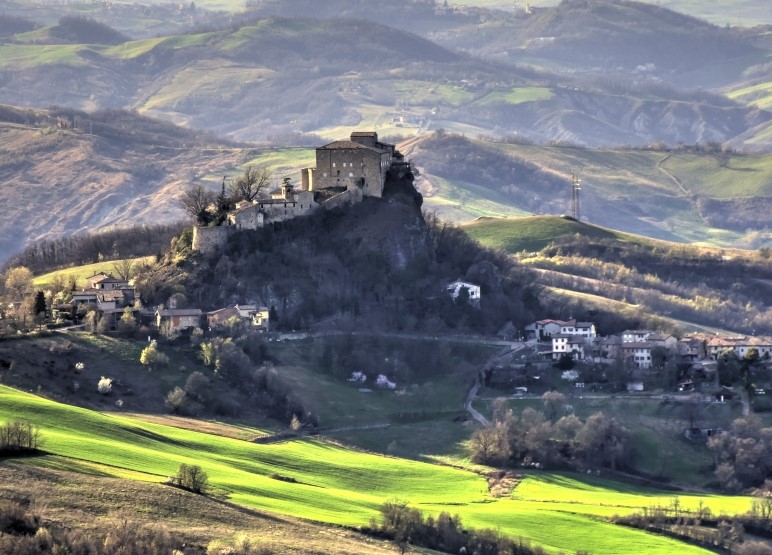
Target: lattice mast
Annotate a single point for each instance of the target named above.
(575, 188)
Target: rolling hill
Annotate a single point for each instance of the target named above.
(334, 485)
(97, 171)
(689, 196)
(261, 77)
(595, 270)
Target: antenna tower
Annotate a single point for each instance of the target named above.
(575, 188)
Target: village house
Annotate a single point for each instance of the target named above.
(639, 352)
(568, 344)
(542, 329)
(584, 329)
(606, 348)
(454, 290)
(663, 340)
(171, 321)
(634, 336)
(740, 346)
(692, 349)
(219, 317)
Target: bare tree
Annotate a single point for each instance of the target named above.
(123, 268)
(195, 200)
(250, 185)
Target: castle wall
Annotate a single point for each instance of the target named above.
(209, 239)
(351, 196)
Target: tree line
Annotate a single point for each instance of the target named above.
(87, 248)
(546, 439)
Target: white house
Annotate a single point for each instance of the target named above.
(635, 336)
(569, 344)
(542, 329)
(639, 352)
(572, 327)
(454, 289)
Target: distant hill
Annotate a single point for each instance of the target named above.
(63, 171)
(680, 195)
(269, 77)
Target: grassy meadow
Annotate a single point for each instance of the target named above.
(81, 273)
(340, 486)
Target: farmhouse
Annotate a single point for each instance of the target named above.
(639, 352)
(568, 344)
(542, 329)
(177, 320)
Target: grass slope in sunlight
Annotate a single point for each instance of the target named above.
(341, 486)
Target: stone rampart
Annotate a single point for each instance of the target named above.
(210, 239)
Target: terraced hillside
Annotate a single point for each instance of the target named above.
(324, 482)
(598, 269)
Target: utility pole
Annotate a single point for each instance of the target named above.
(575, 188)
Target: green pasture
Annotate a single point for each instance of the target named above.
(517, 95)
(759, 95)
(27, 56)
(340, 486)
(745, 175)
(80, 273)
(461, 201)
(533, 233)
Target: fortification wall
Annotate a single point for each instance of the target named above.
(210, 239)
(351, 196)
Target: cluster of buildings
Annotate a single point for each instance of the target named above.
(346, 172)
(110, 297)
(580, 341)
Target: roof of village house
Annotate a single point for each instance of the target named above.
(180, 312)
(638, 345)
(111, 295)
(658, 337)
(573, 337)
(88, 291)
(636, 332)
(548, 321)
(364, 134)
(219, 310)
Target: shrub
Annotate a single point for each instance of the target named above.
(105, 385)
(191, 478)
(15, 520)
(175, 400)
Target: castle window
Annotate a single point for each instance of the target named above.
(324, 174)
(350, 174)
(333, 164)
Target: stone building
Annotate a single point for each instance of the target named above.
(284, 204)
(360, 163)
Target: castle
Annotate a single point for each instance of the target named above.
(345, 173)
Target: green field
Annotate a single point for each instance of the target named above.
(336, 485)
(80, 273)
(533, 233)
(740, 176)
